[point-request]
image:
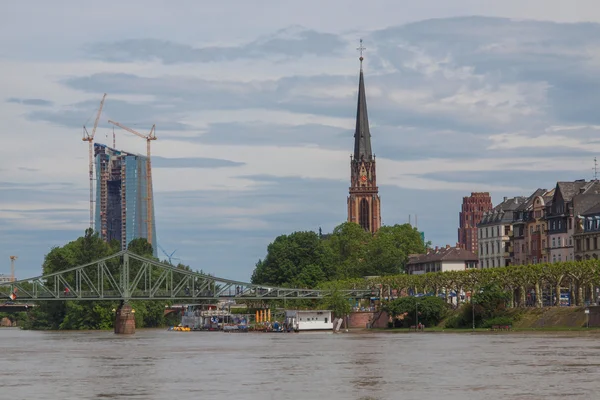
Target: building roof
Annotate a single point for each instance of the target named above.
(502, 212)
(592, 210)
(444, 254)
(529, 202)
(362, 134)
(588, 197)
(570, 189)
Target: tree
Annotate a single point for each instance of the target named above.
(299, 259)
(141, 247)
(348, 243)
(338, 303)
(91, 314)
(388, 250)
(430, 310)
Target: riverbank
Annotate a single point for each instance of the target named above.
(547, 319)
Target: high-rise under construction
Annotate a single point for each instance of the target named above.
(122, 196)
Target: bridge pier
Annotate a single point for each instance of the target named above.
(125, 320)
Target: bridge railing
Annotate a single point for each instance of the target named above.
(139, 278)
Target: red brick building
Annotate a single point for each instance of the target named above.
(473, 208)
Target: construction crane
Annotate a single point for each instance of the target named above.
(149, 137)
(90, 139)
(12, 268)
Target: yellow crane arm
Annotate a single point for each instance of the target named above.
(98, 116)
(127, 129)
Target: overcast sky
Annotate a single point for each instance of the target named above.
(254, 104)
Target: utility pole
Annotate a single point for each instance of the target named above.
(595, 169)
(12, 268)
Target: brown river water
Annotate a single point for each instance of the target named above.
(158, 364)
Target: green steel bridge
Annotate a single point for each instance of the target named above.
(126, 276)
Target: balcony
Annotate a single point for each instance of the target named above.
(544, 251)
(507, 254)
(510, 234)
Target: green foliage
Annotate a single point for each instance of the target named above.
(430, 310)
(299, 260)
(491, 301)
(337, 302)
(305, 259)
(489, 304)
(387, 252)
(82, 315)
(488, 323)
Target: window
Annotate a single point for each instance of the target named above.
(596, 243)
(559, 257)
(570, 222)
(587, 244)
(559, 242)
(559, 224)
(554, 258)
(493, 263)
(364, 215)
(553, 225)
(553, 242)
(497, 231)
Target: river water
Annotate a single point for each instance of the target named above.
(158, 364)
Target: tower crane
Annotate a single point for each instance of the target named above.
(149, 137)
(12, 268)
(90, 139)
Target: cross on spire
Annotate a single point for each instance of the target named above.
(360, 49)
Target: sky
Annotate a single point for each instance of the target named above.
(254, 106)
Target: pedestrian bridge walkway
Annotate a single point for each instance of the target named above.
(128, 276)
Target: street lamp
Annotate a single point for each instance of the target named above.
(473, 311)
(417, 315)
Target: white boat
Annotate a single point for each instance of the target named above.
(308, 320)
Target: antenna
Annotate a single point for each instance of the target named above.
(595, 169)
(416, 223)
(409, 220)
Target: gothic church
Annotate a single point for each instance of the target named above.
(364, 206)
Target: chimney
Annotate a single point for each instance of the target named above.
(505, 198)
(447, 246)
(458, 245)
(436, 249)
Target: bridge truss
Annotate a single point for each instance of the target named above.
(127, 276)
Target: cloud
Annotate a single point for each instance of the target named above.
(292, 42)
(30, 102)
(254, 137)
(191, 162)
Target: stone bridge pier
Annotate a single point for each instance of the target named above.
(125, 320)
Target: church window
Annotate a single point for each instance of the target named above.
(364, 214)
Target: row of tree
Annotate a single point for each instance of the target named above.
(581, 277)
(307, 259)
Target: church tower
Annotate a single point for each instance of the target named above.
(364, 206)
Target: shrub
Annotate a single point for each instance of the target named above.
(488, 323)
(431, 310)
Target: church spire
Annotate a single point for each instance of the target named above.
(362, 135)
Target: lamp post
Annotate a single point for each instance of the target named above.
(473, 311)
(417, 313)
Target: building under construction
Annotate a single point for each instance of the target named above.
(123, 196)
